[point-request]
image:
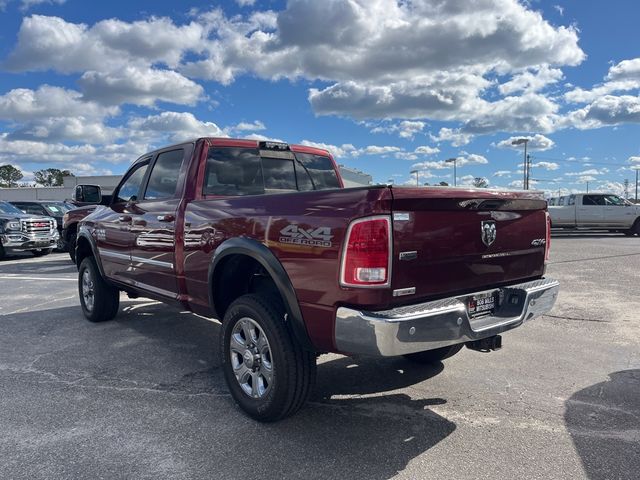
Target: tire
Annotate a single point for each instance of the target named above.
(98, 299)
(434, 356)
(275, 376)
(41, 252)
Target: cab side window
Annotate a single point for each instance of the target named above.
(163, 180)
(129, 189)
(593, 200)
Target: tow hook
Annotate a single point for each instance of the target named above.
(486, 344)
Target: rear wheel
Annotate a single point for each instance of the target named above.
(434, 356)
(41, 252)
(98, 299)
(634, 230)
(269, 375)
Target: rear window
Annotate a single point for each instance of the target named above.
(242, 171)
(315, 172)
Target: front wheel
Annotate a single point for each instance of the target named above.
(98, 299)
(41, 252)
(434, 356)
(269, 375)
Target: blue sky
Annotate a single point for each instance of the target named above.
(388, 86)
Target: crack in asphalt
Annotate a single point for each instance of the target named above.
(578, 319)
(594, 258)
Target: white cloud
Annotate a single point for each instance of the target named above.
(27, 4)
(427, 150)
(379, 150)
(546, 165)
(461, 161)
(337, 151)
(179, 126)
(634, 159)
(246, 3)
(532, 81)
(140, 86)
(249, 126)
(405, 129)
(502, 173)
(23, 104)
(454, 136)
(605, 111)
(537, 142)
(53, 43)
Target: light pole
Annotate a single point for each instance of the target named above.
(637, 168)
(417, 175)
(520, 141)
(454, 161)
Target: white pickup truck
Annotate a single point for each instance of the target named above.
(595, 211)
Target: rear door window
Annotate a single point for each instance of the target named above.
(593, 200)
(233, 171)
(163, 180)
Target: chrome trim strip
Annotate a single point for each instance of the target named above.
(150, 261)
(134, 259)
(430, 325)
(112, 254)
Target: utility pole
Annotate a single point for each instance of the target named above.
(587, 186)
(527, 168)
(626, 188)
(455, 176)
(417, 175)
(525, 179)
(637, 168)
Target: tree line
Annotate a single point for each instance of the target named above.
(10, 176)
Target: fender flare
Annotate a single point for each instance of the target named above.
(266, 258)
(84, 234)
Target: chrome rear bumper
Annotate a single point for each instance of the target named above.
(430, 325)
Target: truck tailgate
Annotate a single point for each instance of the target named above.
(449, 241)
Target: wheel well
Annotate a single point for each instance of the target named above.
(72, 231)
(83, 250)
(237, 275)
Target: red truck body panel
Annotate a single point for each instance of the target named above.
(171, 259)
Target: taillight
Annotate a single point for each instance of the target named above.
(547, 244)
(366, 258)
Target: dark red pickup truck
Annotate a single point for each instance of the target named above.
(263, 236)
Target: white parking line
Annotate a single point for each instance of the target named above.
(17, 277)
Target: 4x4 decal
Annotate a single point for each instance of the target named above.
(297, 235)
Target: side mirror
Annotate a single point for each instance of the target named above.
(87, 194)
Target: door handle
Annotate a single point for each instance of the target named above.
(166, 218)
(124, 218)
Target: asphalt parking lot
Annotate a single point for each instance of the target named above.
(143, 397)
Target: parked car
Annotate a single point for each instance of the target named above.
(22, 232)
(51, 209)
(596, 211)
(263, 236)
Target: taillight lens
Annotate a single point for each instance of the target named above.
(547, 245)
(366, 256)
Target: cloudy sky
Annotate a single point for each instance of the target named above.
(388, 86)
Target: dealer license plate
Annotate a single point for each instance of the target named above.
(482, 304)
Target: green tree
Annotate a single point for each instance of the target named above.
(480, 182)
(51, 177)
(443, 184)
(9, 176)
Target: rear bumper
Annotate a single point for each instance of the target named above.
(430, 325)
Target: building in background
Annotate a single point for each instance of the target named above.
(352, 177)
(14, 194)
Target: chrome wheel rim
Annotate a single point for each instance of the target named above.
(251, 358)
(88, 290)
